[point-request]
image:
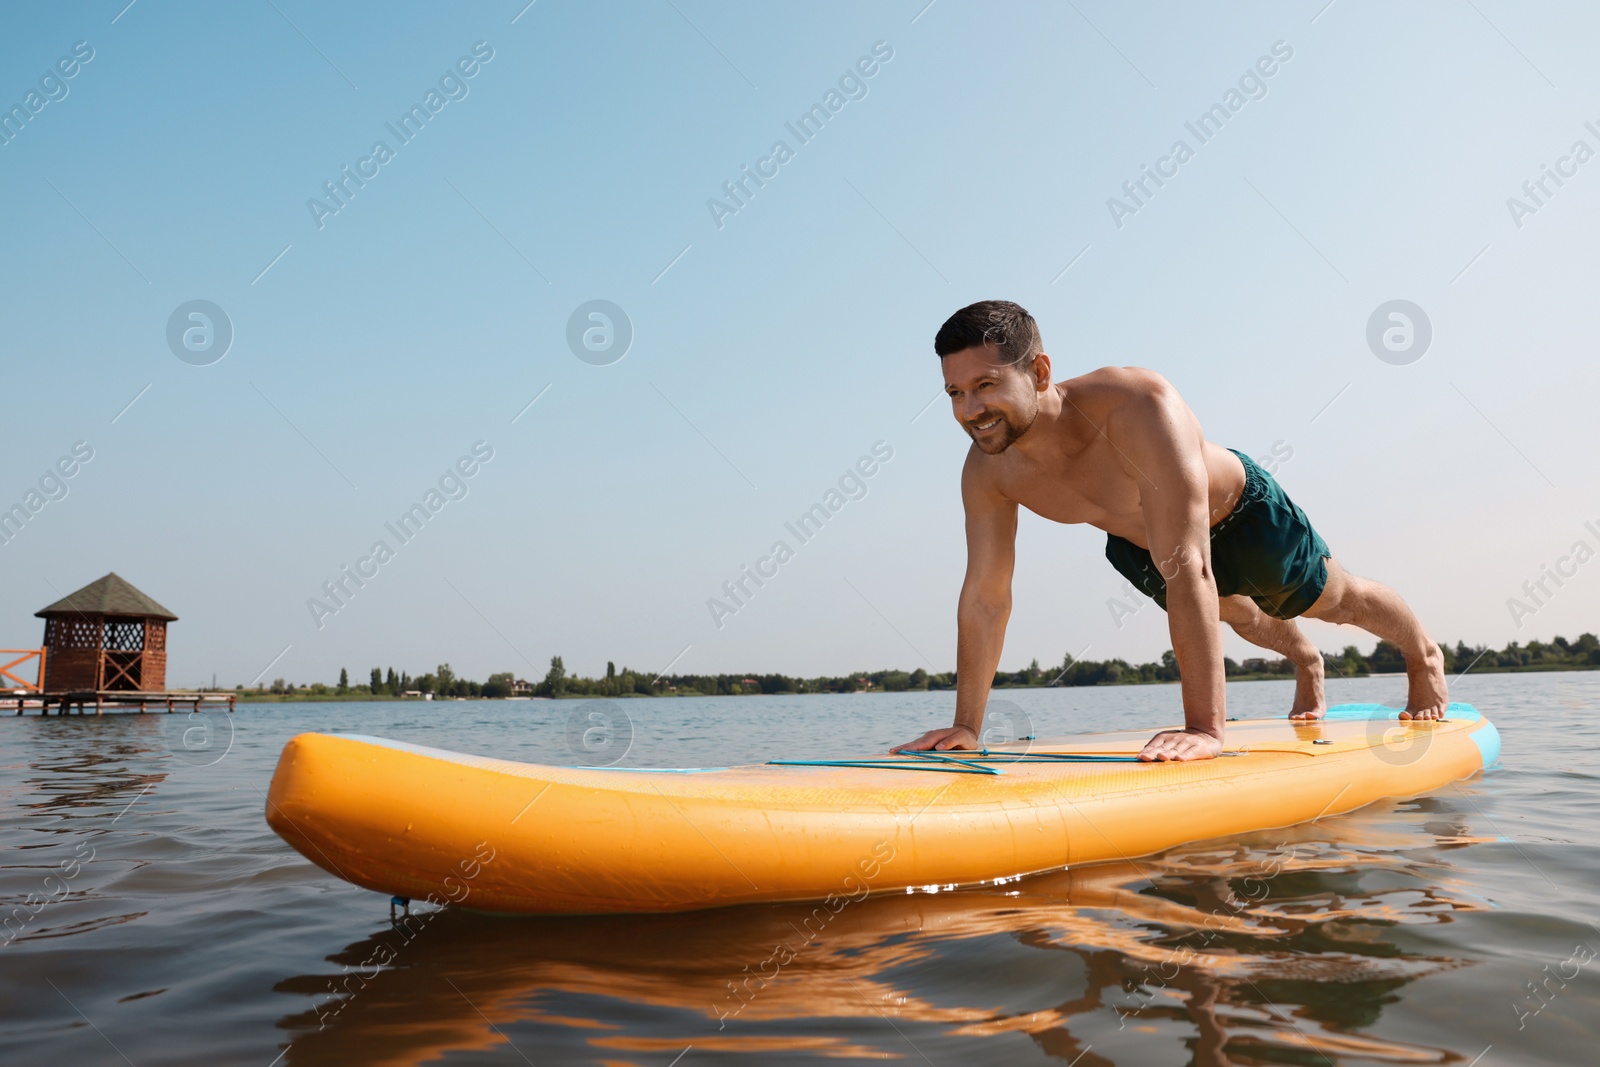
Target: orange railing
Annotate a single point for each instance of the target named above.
(23, 655)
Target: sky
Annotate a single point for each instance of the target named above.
(377, 335)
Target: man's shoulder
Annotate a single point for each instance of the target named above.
(1111, 394)
(1122, 382)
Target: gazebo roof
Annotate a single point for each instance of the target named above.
(111, 595)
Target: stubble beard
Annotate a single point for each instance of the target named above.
(1004, 435)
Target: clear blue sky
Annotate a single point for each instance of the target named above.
(776, 348)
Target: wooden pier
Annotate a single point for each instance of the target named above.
(115, 700)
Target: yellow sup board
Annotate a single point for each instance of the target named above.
(497, 835)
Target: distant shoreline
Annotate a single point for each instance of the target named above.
(360, 696)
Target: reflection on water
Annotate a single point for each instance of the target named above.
(57, 824)
(1261, 950)
(153, 918)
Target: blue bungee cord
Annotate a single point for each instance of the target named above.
(969, 764)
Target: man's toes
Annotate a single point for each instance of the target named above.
(1435, 712)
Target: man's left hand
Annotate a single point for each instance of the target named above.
(1181, 745)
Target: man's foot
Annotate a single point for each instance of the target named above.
(1427, 695)
(1309, 701)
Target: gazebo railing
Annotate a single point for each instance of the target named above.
(23, 656)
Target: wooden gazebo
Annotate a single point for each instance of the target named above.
(106, 637)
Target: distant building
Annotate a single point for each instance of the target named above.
(522, 688)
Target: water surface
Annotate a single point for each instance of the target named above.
(155, 919)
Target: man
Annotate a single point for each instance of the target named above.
(1117, 448)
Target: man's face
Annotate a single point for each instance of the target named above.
(994, 403)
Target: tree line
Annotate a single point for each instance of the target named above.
(1558, 654)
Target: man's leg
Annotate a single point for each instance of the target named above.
(1376, 608)
(1282, 636)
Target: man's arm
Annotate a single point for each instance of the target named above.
(1160, 437)
(984, 608)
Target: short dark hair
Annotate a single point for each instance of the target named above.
(1002, 323)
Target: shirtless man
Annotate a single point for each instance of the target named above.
(1119, 449)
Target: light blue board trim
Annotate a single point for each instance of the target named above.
(1486, 737)
(1488, 741)
(1384, 711)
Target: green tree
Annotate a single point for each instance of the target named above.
(498, 686)
(555, 679)
(344, 680)
(1168, 671)
(447, 680)
(1386, 659)
(375, 684)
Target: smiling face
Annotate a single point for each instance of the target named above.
(995, 403)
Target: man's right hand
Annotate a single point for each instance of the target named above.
(940, 740)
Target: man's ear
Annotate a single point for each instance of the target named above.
(1041, 372)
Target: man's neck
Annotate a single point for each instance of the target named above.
(1034, 444)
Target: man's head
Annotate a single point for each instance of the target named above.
(994, 371)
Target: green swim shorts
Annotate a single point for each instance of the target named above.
(1265, 548)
